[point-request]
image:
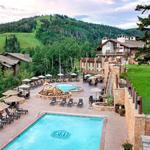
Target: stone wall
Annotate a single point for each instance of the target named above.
(137, 124)
(119, 95)
(147, 125)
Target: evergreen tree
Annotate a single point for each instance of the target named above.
(144, 24)
(11, 44)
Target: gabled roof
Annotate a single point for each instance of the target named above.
(127, 43)
(8, 62)
(22, 57)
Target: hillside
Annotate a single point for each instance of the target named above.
(44, 30)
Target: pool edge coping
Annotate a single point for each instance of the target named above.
(41, 114)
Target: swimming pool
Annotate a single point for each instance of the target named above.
(60, 132)
(67, 87)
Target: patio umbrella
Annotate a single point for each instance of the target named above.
(98, 75)
(96, 90)
(26, 80)
(14, 99)
(10, 93)
(24, 86)
(48, 75)
(91, 78)
(34, 78)
(41, 77)
(60, 74)
(3, 106)
(87, 75)
(73, 74)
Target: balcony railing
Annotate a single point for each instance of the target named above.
(110, 53)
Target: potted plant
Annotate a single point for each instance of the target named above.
(117, 108)
(127, 146)
(121, 110)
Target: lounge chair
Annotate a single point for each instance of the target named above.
(1, 125)
(80, 103)
(70, 103)
(91, 100)
(63, 102)
(53, 101)
(6, 119)
(12, 115)
(20, 110)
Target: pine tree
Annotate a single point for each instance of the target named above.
(144, 25)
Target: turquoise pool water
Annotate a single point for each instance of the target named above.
(67, 87)
(60, 132)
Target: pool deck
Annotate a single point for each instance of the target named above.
(115, 129)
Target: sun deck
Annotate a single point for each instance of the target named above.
(115, 132)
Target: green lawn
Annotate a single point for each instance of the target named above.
(139, 75)
(27, 40)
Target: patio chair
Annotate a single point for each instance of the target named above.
(53, 101)
(63, 102)
(80, 103)
(12, 115)
(6, 119)
(70, 103)
(20, 110)
(1, 125)
(91, 100)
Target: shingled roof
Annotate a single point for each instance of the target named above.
(8, 62)
(19, 56)
(127, 43)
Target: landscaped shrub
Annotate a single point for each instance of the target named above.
(127, 146)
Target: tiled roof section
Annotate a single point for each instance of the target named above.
(8, 62)
(22, 57)
(134, 44)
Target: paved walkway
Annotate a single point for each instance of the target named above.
(115, 133)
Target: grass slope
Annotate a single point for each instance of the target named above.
(27, 40)
(140, 77)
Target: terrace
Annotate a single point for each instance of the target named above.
(115, 132)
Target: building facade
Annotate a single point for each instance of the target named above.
(123, 45)
(91, 65)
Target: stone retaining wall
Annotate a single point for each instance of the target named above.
(137, 124)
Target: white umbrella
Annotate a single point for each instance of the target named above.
(87, 75)
(24, 86)
(41, 77)
(60, 74)
(96, 90)
(90, 78)
(98, 75)
(73, 74)
(48, 75)
(26, 80)
(34, 78)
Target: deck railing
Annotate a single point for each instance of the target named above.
(136, 99)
